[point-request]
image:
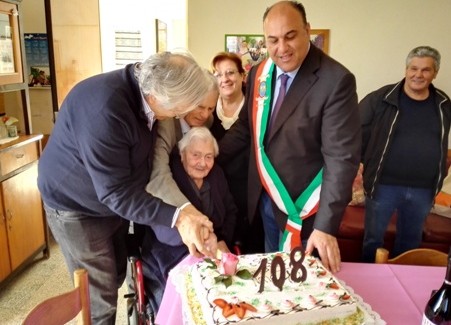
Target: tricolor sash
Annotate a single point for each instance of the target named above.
(308, 202)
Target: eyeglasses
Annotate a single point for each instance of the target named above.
(227, 74)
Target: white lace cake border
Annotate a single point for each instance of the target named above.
(371, 316)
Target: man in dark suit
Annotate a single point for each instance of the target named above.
(303, 162)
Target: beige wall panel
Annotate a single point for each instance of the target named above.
(78, 12)
(76, 41)
(77, 56)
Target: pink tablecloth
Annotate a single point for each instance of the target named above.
(398, 293)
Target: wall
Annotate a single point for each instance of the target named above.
(75, 60)
(371, 38)
(140, 15)
(79, 60)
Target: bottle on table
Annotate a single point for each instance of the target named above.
(438, 308)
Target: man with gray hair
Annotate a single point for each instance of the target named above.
(405, 130)
(94, 169)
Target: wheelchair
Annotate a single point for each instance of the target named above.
(138, 310)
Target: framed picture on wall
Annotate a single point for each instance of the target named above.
(250, 47)
(320, 38)
(161, 35)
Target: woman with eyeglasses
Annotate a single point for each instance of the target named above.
(230, 74)
(229, 71)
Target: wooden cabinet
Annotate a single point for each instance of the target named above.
(23, 231)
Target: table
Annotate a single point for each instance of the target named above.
(398, 293)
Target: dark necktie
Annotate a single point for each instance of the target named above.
(282, 91)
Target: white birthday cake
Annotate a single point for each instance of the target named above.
(278, 288)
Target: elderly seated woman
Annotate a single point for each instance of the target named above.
(205, 186)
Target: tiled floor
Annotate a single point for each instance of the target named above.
(39, 281)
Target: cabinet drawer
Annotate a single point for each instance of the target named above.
(15, 158)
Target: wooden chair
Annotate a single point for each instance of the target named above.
(419, 256)
(63, 308)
